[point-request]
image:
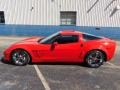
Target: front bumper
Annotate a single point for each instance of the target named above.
(6, 56)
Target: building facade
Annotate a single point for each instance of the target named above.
(37, 17)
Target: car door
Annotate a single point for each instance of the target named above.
(42, 53)
(68, 48)
(42, 50)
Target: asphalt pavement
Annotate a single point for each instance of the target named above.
(58, 76)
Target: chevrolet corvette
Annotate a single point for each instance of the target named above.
(67, 46)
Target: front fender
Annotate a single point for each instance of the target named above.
(9, 50)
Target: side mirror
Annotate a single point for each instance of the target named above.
(53, 45)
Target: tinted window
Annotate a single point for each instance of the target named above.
(67, 39)
(90, 37)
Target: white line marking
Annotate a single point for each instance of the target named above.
(113, 67)
(41, 77)
(111, 64)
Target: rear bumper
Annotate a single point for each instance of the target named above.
(111, 51)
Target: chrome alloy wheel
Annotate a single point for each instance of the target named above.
(20, 57)
(95, 58)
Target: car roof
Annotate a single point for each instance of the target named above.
(69, 32)
(73, 32)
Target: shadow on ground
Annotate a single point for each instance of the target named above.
(46, 63)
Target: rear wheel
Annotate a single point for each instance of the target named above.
(20, 57)
(95, 58)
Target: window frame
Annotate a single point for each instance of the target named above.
(90, 37)
(68, 42)
(2, 17)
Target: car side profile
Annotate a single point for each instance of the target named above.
(64, 46)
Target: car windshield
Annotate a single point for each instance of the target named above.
(44, 40)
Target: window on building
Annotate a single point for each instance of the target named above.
(68, 18)
(2, 18)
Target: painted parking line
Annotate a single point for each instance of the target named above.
(113, 65)
(41, 77)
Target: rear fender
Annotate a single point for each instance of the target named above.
(100, 48)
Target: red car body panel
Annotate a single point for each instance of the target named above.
(72, 52)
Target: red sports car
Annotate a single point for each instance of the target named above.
(63, 46)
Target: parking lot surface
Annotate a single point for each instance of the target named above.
(58, 76)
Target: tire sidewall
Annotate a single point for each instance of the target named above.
(89, 65)
(26, 62)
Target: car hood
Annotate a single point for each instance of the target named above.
(29, 40)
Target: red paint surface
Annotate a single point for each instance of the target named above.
(72, 52)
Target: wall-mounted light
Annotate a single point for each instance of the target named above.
(52, 0)
(31, 8)
(97, 28)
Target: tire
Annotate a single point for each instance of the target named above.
(95, 58)
(20, 57)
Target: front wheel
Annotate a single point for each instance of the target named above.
(20, 57)
(95, 59)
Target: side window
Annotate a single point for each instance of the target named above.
(90, 37)
(67, 39)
